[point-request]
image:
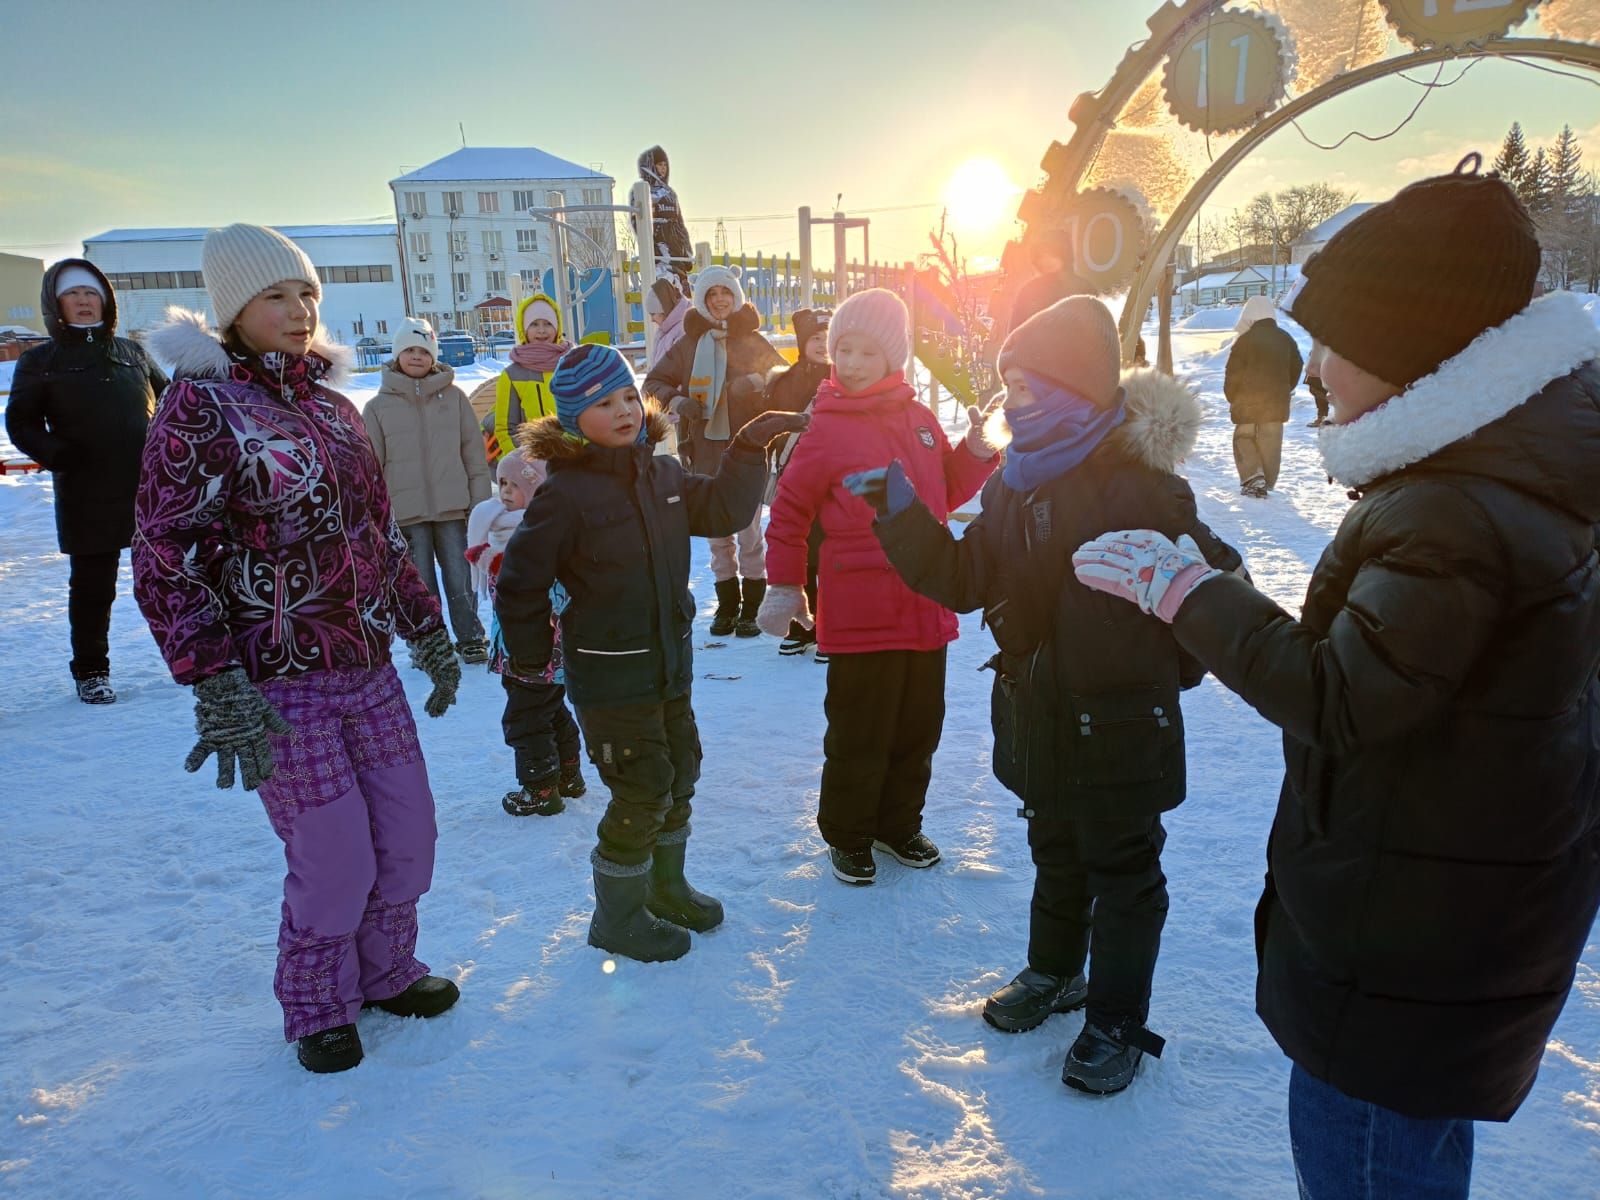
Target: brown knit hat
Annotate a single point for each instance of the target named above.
(1411, 282)
(1073, 343)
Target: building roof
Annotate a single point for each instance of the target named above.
(1321, 233)
(295, 232)
(499, 162)
(1220, 279)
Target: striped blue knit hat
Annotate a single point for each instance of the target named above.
(586, 375)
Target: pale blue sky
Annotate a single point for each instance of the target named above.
(160, 112)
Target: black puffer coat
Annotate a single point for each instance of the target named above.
(1434, 867)
(1263, 369)
(1087, 723)
(613, 527)
(667, 226)
(79, 406)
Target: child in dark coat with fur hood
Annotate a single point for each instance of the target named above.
(1088, 732)
(612, 525)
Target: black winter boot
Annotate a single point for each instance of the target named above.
(427, 997)
(1031, 997)
(755, 590)
(671, 897)
(727, 614)
(621, 925)
(572, 785)
(1103, 1061)
(541, 798)
(330, 1050)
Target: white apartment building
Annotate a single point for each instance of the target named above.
(359, 266)
(468, 247)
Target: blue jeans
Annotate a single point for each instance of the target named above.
(1347, 1149)
(445, 543)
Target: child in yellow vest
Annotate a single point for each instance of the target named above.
(522, 393)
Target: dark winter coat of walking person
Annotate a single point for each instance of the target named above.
(79, 407)
(1263, 369)
(885, 644)
(1434, 866)
(674, 252)
(1088, 729)
(713, 377)
(273, 576)
(612, 525)
(426, 438)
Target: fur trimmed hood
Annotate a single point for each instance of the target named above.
(1493, 377)
(186, 346)
(545, 439)
(1162, 422)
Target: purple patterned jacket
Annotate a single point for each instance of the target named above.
(263, 533)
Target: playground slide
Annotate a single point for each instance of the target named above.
(946, 372)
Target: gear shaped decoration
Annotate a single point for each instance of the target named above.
(1109, 229)
(1230, 70)
(1454, 24)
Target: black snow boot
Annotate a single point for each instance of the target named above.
(1032, 996)
(755, 590)
(427, 997)
(96, 689)
(572, 785)
(798, 640)
(1103, 1061)
(330, 1050)
(727, 614)
(541, 798)
(671, 897)
(621, 925)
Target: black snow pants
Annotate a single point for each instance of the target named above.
(649, 756)
(538, 728)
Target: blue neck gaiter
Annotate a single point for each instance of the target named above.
(1055, 434)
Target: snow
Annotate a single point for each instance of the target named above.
(825, 1042)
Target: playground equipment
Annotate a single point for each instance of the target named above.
(1212, 81)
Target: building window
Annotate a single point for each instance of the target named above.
(594, 195)
(528, 280)
(555, 199)
(527, 241)
(458, 241)
(416, 203)
(493, 241)
(421, 243)
(488, 202)
(144, 281)
(423, 285)
(452, 203)
(358, 327)
(383, 327)
(497, 282)
(522, 201)
(463, 282)
(378, 273)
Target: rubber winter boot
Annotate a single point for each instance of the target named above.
(755, 591)
(1103, 1061)
(621, 925)
(1031, 997)
(671, 897)
(727, 614)
(330, 1050)
(426, 997)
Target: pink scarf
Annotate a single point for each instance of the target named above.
(539, 356)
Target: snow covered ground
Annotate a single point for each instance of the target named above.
(825, 1042)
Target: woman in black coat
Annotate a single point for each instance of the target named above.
(79, 407)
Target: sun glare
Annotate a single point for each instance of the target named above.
(980, 195)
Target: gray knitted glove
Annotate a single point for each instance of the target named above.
(435, 657)
(233, 720)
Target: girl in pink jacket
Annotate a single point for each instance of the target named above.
(886, 644)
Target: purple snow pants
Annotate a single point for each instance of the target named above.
(349, 796)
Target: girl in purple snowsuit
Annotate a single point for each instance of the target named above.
(273, 576)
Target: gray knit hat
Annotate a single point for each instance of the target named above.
(243, 260)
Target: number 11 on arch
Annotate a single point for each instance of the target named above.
(1242, 44)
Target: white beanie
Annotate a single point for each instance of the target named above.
(539, 308)
(415, 332)
(876, 313)
(76, 277)
(711, 277)
(241, 261)
(1257, 308)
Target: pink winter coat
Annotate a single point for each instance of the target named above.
(670, 332)
(862, 604)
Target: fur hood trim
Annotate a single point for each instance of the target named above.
(187, 348)
(1162, 422)
(1498, 372)
(546, 439)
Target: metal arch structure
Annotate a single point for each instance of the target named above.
(1094, 114)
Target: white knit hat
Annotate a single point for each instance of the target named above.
(243, 260)
(876, 313)
(711, 277)
(75, 277)
(415, 332)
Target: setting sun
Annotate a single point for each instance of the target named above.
(980, 195)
